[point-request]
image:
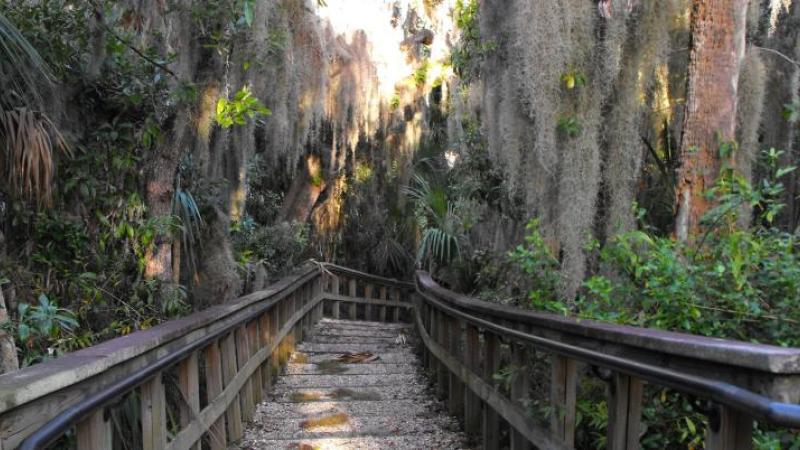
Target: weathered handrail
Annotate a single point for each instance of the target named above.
(451, 326)
(239, 346)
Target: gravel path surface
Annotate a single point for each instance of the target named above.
(382, 402)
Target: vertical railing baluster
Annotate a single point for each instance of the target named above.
(242, 356)
(563, 392)
(264, 339)
(624, 412)
(382, 311)
(519, 391)
(368, 307)
(218, 439)
(491, 364)
(472, 403)
(456, 393)
(729, 430)
(396, 309)
(335, 290)
(189, 385)
(351, 310)
(233, 413)
(274, 329)
(154, 414)
(443, 329)
(256, 380)
(95, 432)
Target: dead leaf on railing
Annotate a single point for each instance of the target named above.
(357, 358)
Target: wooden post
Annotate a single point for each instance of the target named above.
(335, 288)
(189, 384)
(519, 390)
(368, 307)
(218, 436)
(352, 293)
(154, 414)
(563, 391)
(95, 432)
(472, 403)
(731, 430)
(234, 412)
(242, 356)
(624, 412)
(456, 393)
(491, 421)
(382, 310)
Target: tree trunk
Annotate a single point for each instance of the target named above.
(718, 42)
(8, 351)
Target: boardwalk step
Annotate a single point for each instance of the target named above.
(333, 367)
(442, 440)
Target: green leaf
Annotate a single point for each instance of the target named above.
(23, 332)
(248, 13)
(784, 170)
(690, 424)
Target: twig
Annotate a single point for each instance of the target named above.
(776, 52)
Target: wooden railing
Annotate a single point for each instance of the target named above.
(188, 381)
(469, 344)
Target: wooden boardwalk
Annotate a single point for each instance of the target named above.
(378, 399)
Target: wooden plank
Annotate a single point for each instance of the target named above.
(624, 412)
(516, 416)
(455, 395)
(491, 420)
(351, 310)
(233, 415)
(472, 404)
(734, 431)
(95, 432)
(563, 392)
(217, 435)
(189, 385)
(519, 391)
(154, 414)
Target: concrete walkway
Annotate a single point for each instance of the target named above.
(374, 398)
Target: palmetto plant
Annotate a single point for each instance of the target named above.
(438, 221)
(29, 140)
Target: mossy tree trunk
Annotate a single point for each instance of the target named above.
(718, 42)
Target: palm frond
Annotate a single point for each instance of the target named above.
(22, 70)
(185, 208)
(28, 160)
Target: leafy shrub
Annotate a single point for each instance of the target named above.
(279, 247)
(41, 330)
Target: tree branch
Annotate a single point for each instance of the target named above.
(775, 52)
